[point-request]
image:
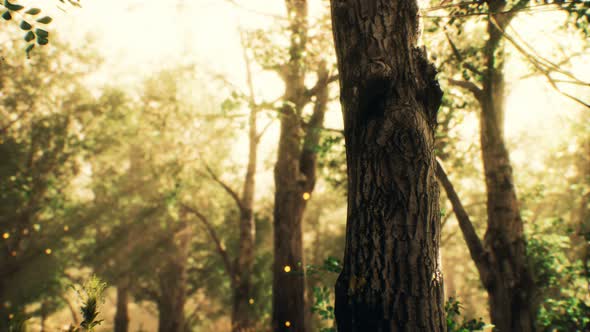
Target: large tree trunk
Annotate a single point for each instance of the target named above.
(391, 279)
(122, 314)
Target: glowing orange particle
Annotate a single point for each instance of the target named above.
(251, 301)
(48, 251)
(287, 323)
(306, 196)
(287, 268)
(6, 235)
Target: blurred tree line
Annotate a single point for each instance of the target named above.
(142, 187)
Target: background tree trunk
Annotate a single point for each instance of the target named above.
(510, 286)
(173, 277)
(44, 314)
(122, 314)
(391, 278)
(501, 258)
(241, 321)
(295, 178)
(295, 175)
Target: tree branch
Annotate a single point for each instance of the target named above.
(469, 86)
(213, 235)
(277, 17)
(318, 85)
(263, 130)
(473, 241)
(308, 157)
(232, 193)
(520, 5)
(459, 57)
(543, 65)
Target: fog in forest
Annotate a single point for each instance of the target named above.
(181, 165)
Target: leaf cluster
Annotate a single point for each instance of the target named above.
(32, 35)
(453, 310)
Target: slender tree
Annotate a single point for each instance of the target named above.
(391, 278)
(240, 268)
(122, 313)
(501, 257)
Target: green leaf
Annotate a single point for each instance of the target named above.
(7, 16)
(12, 6)
(29, 49)
(30, 35)
(45, 20)
(42, 33)
(33, 11)
(42, 40)
(25, 25)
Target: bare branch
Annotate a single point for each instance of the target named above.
(313, 91)
(563, 93)
(73, 312)
(543, 65)
(232, 193)
(519, 6)
(459, 57)
(445, 5)
(277, 17)
(535, 9)
(535, 56)
(249, 80)
(473, 241)
(213, 234)
(469, 86)
(560, 63)
(264, 129)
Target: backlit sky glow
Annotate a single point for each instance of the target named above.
(139, 37)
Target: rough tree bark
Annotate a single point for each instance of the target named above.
(391, 279)
(501, 258)
(295, 173)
